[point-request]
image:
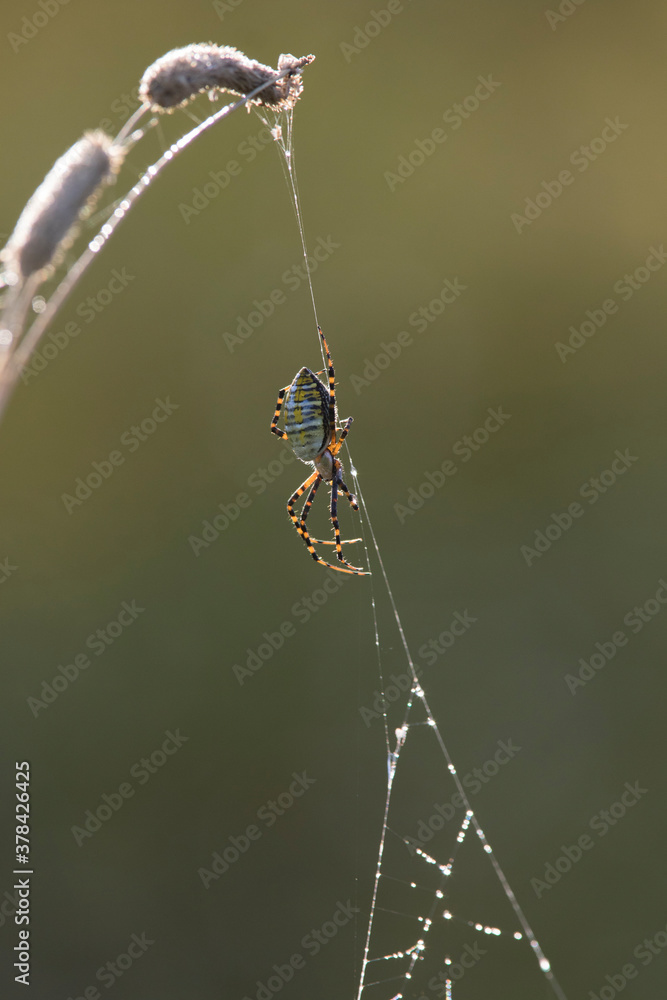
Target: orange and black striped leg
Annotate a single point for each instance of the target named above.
(304, 514)
(305, 510)
(334, 521)
(276, 416)
(299, 522)
(300, 525)
(350, 496)
(332, 381)
(335, 447)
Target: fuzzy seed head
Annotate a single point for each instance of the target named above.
(48, 222)
(178, 76)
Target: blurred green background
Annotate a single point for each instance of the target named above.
(393, 245)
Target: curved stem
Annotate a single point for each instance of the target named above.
(17, 361)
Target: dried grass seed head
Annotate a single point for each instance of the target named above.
(178, 76)
(48, 222)
(291, 86)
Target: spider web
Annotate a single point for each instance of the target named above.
(435, 927)
(430, 873)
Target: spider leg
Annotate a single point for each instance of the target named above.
(352, 499)
(329, 541)
(335, 446)
(313, 482)
(305, 510)
(332, 388)
(334, 520)
(304, 514)
(334, 450)
(299, 522)
(276, 416)
(343, 541)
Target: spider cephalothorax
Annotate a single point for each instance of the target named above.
(310, 430)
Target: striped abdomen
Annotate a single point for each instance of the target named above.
(307, 416)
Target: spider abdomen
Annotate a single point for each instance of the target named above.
(307, 416)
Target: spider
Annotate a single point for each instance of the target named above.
(310, 430)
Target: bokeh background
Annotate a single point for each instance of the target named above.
(393, 245)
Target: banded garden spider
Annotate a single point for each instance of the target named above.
(310, 430)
